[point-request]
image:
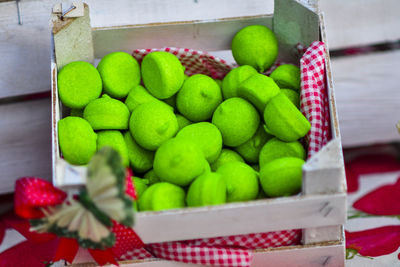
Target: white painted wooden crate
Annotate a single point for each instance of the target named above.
(320, 209)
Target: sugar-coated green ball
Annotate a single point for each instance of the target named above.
(179, 161)
(198, 98)
(250, 150)
(78, 83)
(139, 95)
(140, 185)
(140, 159)
(284, 120)
(287, 76)
(106, 113)
(276, 148)
(115, 140)
(76, 112)
(120, 72)
(258, 90)
(207, 189)
(162, 196)
(255, 45)
(293, 96)
(206, 136)
(282, 177)
(226, 156)
(241, 181)
(162, 74)
(237, 120)
(77, 140)
(152, 177)
(219, 82)
(182, 121)
(151, 124)
(171, 101)
(234, 78)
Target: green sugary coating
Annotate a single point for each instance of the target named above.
(255, 45)
(207, 189)
(78, 83)
(162, 196)
(241, 181)
(250, 150)
(140, 185)
(151, 124)
(152, 177)
(162, 74)
(282, 177)
(182, 121)
(293, 96)
(141, 160)
(106, 113)
(179, 161)
(237, 120)
(115, 140)
(284, 120)
(219, 82)
(77, 140)
(234, 78)
(226, 156)
(276, 148)
(171, 101)
(120, 72)
(139, 95)
(206, 136)
(198, 98)
(77, 113)
(207, 167)
(287, 76)
(258, 90)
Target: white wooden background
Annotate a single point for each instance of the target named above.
(367, 87)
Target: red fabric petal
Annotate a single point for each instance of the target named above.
(102, 257)
(129, 186)
(67, 249)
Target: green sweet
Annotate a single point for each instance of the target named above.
(206, 136)
(255, 45)
(282, 177)
(162, 74)
(78, 83)
(179, 161)
(76, 113)
(293, 96)
(258, 90)
(152, 177)
(140, 159)
(151, 124)
(287, 76)
(162, 196)
(284, 120)
(226, 156)
(207, 167)
(115, 140)
(106, 113)
(237, 120)
(234, 78)
(120, 72)
(250, 150)
(139, 95)
(241, 181)
(276, 148)
(198, 98)
(140, 185)
(171, 101)
(219, 82)
(77, 140)
(182, 121)
(207, 189)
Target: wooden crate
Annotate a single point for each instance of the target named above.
(320, 209)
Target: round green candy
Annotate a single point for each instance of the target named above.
(219, 82)
(282, 177)
(140, 185)
(198, 98)
(276, 148)
(255, 45)
(287, 76)
(151, 124)
(171, 101)
(207, 167)
(234, 78)
(258, 90)
(139, 95)
(182, 121)
(206, 136)
(293, 96)
(78, 83)
(226, 156)
(237, 120)
(207, 189)
(250, 150)
(120, 72)
(162, 74)
(77, 140)
(179, 161)
(284, 120)
(152, 177)
(162, 196)
(115, 140)
(241, 181)
(140, 159)
(76, 112)
(106, 113)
